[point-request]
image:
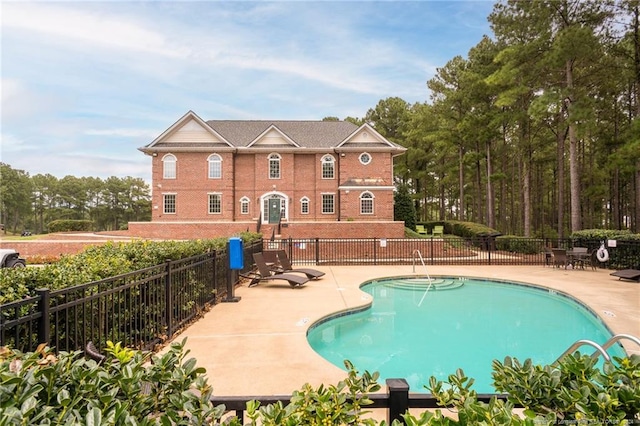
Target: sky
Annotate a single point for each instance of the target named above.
(84, 84)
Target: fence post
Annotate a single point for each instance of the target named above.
(168, 299)
(317, 251)
(398, 391)
(44, 325)
(375, 251)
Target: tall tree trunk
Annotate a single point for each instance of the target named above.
(491, 219)
(560, 140)
(574, 174)
(463, 206)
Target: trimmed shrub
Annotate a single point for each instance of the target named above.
(68, 225)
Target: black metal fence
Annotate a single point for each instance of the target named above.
(444, 251)
(141, 309)
(396, 401)
(144, 308)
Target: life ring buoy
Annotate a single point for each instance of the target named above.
(602, 254)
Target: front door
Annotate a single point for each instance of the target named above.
(274, 210)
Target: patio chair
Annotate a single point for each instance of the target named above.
(438, 230)
(591, 260)
(560, 258)
(265, 274)
(285, 266)
(421, 230)
(627, 274)
(548, 257)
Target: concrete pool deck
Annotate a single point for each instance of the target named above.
(258, 345)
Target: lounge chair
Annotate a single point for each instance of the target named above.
(421, 230)
(438, 230)
(627, 274)
(285, 265)
(265, 274)
(560, 258)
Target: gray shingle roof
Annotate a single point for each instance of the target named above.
(309, 134)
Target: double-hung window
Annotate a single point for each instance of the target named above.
(244, 205)
(215, 166)
(169, 166)
(169, 203)
(215, 203)
(366, 203)
(328, 203)
(304, 205)
(274, 166)
(328, 167)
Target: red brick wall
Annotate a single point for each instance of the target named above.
(330, 229)
(301, 175)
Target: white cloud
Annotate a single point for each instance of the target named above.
(125, 133)
(82, 27)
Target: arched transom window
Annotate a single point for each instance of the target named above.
(215, 166)
(244, 205)
(169, 166)
(304, 205)
(328, 167)
(366, 203)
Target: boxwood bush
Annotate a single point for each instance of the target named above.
(135, 388)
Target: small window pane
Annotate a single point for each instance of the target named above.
(327, 203)
(304, 206)
(215, 203)
(169, 203)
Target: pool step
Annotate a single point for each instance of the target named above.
(423, 283)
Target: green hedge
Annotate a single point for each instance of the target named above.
(70, 225)
(103, 261)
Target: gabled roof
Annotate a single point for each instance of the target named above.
(231, 134)
(273, 129)
(307, 134)
(188, 120)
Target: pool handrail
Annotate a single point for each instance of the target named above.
(601, 350)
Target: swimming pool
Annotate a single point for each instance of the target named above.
(416, 328)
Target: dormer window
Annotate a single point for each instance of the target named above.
(169, 166)
(215, 166)
(274, 166)
(328, 167)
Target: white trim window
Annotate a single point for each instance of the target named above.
(169, 203)
(366, 203)
(215, 166)
(244, 205)
(365, 158)
(328, 203)
(169, 166)
(304, 205)
(328, 167)
(215, 203)
(274, 166)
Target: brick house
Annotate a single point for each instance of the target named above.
(297, 179)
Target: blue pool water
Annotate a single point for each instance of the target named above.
(414, 333)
